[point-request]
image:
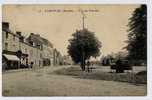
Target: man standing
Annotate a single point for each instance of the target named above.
(88, 65)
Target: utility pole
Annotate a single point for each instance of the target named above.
(83, 19)
(82, 47)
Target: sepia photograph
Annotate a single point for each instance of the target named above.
(74, 50)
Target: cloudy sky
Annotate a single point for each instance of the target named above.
(57, 22)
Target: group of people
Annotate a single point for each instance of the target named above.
(88, 64)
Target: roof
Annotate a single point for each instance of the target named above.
(47, 42)
(11, 57)
(9, 31)
(38, 39)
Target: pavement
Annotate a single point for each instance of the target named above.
(42, 82)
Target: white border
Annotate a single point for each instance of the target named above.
(74, 1)
(149, 43)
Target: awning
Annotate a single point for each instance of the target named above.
(11, 57)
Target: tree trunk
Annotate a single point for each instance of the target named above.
(83, 60)
(82, 65)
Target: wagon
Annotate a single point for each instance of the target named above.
(121, 65)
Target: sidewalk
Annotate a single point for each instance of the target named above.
(17, 70)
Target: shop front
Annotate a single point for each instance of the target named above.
(10, 62)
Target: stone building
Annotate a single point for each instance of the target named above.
(10, 46)
(46, 47)
(36, 52)
(67, 60)
(58, 59)
(21, 52)
(47, 52)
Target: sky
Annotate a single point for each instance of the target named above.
(57, 23)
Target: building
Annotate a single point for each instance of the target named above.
(21, 52)
(36, 52)
(58, 59)
(47, 52)
(67, 60)
(10, 47)
(45, 46)
(16, 46)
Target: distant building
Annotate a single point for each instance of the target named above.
(58, 59)
(34, 40)
(67, 60)
(47, 52)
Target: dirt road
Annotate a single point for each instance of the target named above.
(44, 83)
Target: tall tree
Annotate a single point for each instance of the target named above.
(137, 37)
(82, 46)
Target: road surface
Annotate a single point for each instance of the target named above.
(44, 83)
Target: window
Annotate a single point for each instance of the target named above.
(14, 37)
(6, 46)
(31, 52)
(6, 35)
(39, 63)
(40, 55)
(14, 47)
(25, 50)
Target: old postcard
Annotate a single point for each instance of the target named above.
(74, 50)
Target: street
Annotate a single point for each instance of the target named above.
(106, 43)
(43, 82)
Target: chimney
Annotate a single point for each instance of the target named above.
(38, 35)
(20, 36)
(18, 33)
(5, 25)
(31, 33)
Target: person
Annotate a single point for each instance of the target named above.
(92, 64)
(4, 65)
(31, 65)
(88, 65)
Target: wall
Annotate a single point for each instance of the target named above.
(12, 40)
(34, 55)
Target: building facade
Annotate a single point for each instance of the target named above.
(67, 60)
(58, 59)
(21, 52)
(10, 46)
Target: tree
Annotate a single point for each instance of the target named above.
(137, 37)
(82, 46)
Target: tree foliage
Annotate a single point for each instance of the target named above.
(83, 44)
(137, 37)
